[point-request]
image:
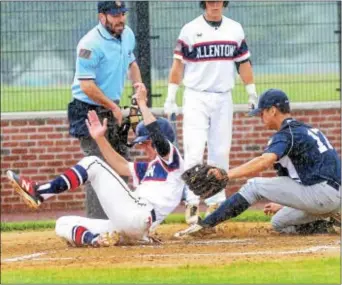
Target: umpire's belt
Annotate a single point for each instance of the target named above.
(153, 215)
(334, 185)
(78, 113)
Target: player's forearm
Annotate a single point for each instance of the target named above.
(160, 143)
(115, 160)
(253, 166)
(246, 73)
(176, 73)
(147, 115)
(94, 93)
(134, 73)
(175, 79)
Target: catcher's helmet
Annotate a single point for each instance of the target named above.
(111, 7)
(202, 4)
(142, 133)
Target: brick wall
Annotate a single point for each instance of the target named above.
(42, 148)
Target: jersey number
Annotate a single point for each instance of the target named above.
(322, 141)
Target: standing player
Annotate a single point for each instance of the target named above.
(132, 214)
(208, 51)
(104, 56)
(309, 169)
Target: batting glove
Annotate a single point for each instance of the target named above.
(170, 107)
(253, 97)
(252, 102)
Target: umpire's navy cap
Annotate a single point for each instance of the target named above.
(111, 7)
(271, 97)
(142, 133)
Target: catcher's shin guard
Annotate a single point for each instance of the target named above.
(231, 208)
(211, 209)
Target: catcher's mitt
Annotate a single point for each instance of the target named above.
(203, 184)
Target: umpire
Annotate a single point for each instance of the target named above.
(104, 57)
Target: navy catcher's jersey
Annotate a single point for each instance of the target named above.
(304, 154)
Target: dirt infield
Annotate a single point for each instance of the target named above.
(232, 242)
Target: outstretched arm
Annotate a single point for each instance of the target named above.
(97, 132)
(249, 168)
(253, 166)
(161, 144)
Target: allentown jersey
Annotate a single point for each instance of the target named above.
(305, 154)
(159, 182)
(209, 54)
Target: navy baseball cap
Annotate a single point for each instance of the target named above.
(271, 97)
(111, 7)
(142, 133)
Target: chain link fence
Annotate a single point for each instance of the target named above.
(295, 46)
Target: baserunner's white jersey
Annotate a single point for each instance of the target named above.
(210, 53)
(159, 182)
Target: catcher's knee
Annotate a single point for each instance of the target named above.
(283, 228)
(280, 225)
(276, 224)
(250, 191)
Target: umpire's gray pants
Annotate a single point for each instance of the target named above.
(303, 204)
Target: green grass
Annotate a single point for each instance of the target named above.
(26, 226)
(322, 270)
(177, 218)
(299, 88)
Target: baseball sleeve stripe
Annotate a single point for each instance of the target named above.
(178, 56)
(178, 52)
(183, 43)
(242, 57)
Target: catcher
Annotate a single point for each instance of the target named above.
(309, 174)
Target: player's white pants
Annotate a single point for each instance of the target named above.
(65, 224)
(303, 204)
(208, 118)
(127, 213)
